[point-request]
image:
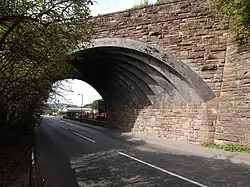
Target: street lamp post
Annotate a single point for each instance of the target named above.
(81, 104)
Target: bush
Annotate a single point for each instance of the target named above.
(142, 5)
(159, 2)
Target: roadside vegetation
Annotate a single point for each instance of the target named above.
(235, 13)
(146, 3)
(93, 105)
(35, 40)
(14, 160)
(159, 2)
(36, 37)
(229, 147)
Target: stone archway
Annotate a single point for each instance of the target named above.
(134, 75)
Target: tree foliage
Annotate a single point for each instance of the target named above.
(237, 14)
(36, 37)
(93, 105)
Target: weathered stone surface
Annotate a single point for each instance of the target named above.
(227, 137)
(192, 34)
(209, 67)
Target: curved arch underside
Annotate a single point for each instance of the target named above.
(131, 73)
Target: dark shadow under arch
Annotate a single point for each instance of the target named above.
(129, 73)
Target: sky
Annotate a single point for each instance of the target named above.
(74, 91)
(80, 87)
(108, 6)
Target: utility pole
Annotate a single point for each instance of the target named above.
(58, 106)
(81, 104)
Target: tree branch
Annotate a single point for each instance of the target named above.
(7, 33)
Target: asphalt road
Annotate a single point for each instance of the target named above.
(69, 155)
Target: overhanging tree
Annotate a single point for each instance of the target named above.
(35, 39)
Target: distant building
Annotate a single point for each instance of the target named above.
(76, 111)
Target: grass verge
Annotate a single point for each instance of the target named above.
(229, 147)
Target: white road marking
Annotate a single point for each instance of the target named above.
(93, 141)
(64, 128)
(32, 157)
(163, 170)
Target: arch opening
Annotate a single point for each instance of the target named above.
(132, 75)
(74, 98)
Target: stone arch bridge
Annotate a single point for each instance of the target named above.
(170, 71)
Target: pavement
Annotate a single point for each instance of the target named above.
(73, 154)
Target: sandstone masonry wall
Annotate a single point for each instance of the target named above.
(189, 31)
(233, 119)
